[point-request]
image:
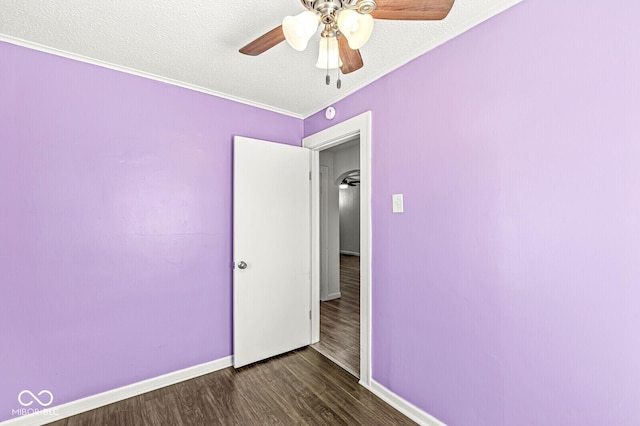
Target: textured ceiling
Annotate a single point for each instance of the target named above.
(194, 43)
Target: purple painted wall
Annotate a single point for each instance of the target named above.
(508, 293)
(115, 225)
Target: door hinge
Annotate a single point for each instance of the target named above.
(309, 314)
(309, 174)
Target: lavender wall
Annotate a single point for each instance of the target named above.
(508, 293)
(115, 225)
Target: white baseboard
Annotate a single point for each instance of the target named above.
(404, 406)
(109, 397)
(332, 296)
(350, 253)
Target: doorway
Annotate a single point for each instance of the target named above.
(340, 255)
(356, 127)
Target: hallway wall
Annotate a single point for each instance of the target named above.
(347, 158)
(349, 205)
(330, 285)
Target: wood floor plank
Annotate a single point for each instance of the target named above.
(299, 388)
(340, 318)
(360, 406)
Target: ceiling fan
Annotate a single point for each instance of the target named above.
(347, 25)
(351, 179)
(346, 182)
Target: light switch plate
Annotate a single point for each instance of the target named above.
(398, 203)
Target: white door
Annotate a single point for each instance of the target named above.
(271, 249)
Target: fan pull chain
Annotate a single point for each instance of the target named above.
(328, 79)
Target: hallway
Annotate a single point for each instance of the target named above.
(340, 319)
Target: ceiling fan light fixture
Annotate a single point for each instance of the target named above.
(355, 26)
(329, 55)
(299, 29)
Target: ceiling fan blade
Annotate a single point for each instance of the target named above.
(351, 59)
(264, 42)
(412, 10)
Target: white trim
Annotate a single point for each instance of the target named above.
(332, 296)
(349, 253)
(405, 407)
(451, 33)
(63, 53)
(109, 397)
(335, 135)
(315, 246)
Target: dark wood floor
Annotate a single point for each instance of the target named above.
(299, 388)
(340, 319)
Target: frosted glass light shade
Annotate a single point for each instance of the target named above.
(356, 27)
(329, 56)
(299, 29)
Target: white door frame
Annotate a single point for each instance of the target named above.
(317, 142)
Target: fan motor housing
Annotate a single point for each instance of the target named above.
(329, 7)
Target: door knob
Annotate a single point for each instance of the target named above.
(242, 265)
